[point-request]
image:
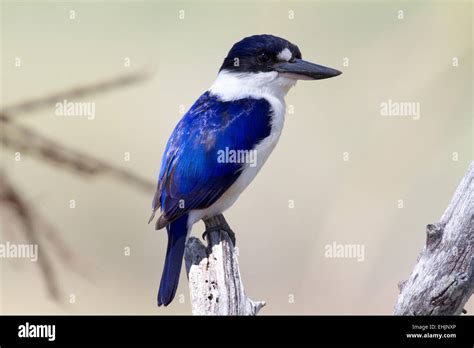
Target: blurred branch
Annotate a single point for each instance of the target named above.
(11, 199)
(24, 140)
(78, 92)
(443, 279)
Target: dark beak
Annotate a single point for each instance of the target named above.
(304, 70)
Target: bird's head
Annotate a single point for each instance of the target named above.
(267, 60)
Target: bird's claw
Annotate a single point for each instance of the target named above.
(227, 230)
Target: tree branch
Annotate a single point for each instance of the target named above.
(28, 106)
(214, 277)
(25, 140)
(443, 279)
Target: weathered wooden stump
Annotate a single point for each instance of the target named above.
(214, 278)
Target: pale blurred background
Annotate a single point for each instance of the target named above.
(281, 248)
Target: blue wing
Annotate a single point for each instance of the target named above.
(191, 177)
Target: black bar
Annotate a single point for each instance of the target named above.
(139, 330)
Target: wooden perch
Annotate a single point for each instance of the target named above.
(214, 277)
(443, 279)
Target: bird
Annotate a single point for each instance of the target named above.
(242, 112)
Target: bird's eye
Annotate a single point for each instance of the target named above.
(263, 57)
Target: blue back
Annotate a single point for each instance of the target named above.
(190, 172)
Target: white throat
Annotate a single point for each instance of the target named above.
(232, 86)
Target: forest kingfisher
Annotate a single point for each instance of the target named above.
(242, 112)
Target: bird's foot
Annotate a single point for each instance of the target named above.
(218, 223)
(229, 232)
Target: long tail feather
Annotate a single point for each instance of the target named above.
(177, 232)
